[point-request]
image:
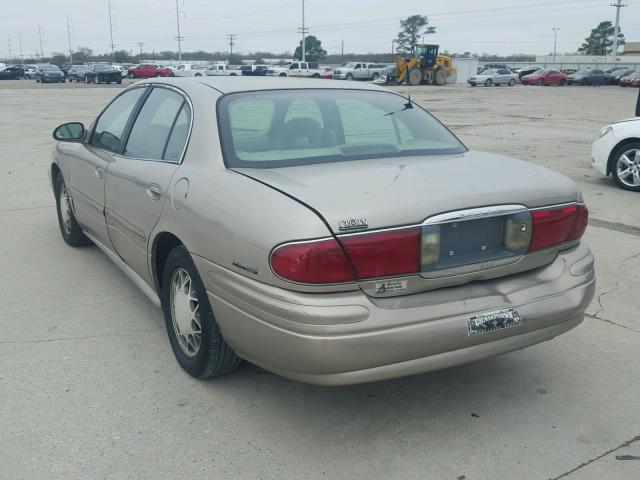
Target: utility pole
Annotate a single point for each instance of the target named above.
(303, 31)
(111, 30)
(555, 42)
(231, 38)
(140, 45)
(69, 37)
(616, 30)
(342, 53)
(20, 43)
(179, 38)
(393, 46)
(41, 49)
(10, 55)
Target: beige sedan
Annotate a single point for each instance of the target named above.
(331, 233)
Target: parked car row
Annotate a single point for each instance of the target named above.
(550, 76)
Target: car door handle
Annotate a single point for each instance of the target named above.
(154, 191)
(99, 172)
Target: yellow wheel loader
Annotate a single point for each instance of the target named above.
(426, 67)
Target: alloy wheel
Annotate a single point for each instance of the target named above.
(185, 313)
(628, 168)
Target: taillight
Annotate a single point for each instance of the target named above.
(384, 254)
(317, 261)
(556, 226)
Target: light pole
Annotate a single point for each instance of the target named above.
(555, 42)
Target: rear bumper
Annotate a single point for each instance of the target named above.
(347, 338)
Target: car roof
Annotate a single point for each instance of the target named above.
(260, 83)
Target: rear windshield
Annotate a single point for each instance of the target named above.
(300, 127)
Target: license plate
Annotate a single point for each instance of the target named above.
(492, 321)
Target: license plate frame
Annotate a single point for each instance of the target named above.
(493, 321)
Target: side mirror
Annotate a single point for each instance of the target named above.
(69, 132)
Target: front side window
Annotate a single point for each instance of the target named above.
(111, 124)
(298, 127)
(151, 129)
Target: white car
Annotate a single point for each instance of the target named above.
(278, 72)
(189, 70)
(616, 151)
(494, 76)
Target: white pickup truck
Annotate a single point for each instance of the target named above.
(189, 70)
(220, 70)
(359, 71)
(305, 69)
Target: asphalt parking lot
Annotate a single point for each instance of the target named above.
(89, 387)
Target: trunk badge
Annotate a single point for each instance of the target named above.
(353, 224)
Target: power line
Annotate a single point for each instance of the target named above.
(616, 30)
(69, 37)
(231, 37)
(40, 36)
(303, 30)
(111, 30)
(20, 43)
(179, 38)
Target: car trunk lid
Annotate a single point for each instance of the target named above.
(466, 201)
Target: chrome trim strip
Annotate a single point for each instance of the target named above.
(474, 214)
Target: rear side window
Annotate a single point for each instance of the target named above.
(111, 124)
(151, 130)
(179, 134)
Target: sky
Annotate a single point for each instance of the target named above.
(492, 26)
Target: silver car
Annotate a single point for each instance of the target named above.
(494, 76)
(333, 234)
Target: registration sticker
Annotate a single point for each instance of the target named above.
(492, 321)
(391, 286)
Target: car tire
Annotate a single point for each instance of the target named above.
(488, 83)
(184, 304)
(615, 160)
(349, 76)
(119, 81)
(376, 76)
(130, 75)
(562, 83)
(512, 82)
(541, 83)
(280, 75)
(71, 232)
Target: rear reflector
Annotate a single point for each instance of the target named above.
(319, 261)
(384, 254)
(560, 225)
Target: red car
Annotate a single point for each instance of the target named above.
(545, 77)
(328, 73)
(632, 80)
(146, 70)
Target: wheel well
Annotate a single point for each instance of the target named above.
(615, 149)
(164, 243)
